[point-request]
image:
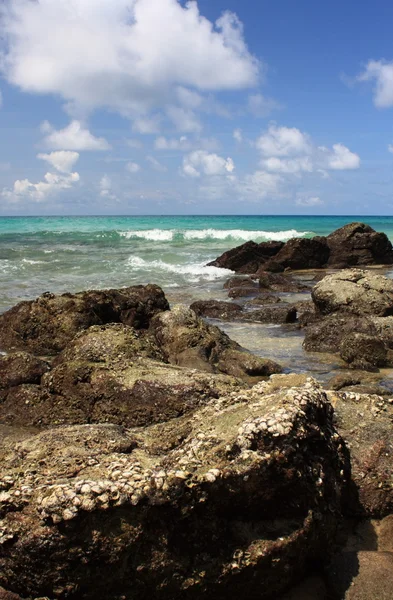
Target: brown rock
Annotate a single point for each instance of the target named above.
(300, 253)
(326, 335)
(200, 507)
(362, 351)
(362, 576)
(272, 313)
(385, 534)
(248, 257)
(277, 282)
(215, 309)
(20, 367)
(45, 326)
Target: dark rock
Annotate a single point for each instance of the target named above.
(263, 299)
(45, 326)
(355, 291)
(312, 588)
(357, 244)
(361, 576)
(362, 351)
(272, 313)
(385, 534)
(306, 313)
(4, 595)
(213, 506)
(300, 253)
(20, 367)
(248, 257)
(240, 282)
(365, 422)
(215, 309)
(279, 283)
(327, 334)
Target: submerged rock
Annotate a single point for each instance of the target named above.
(239, 497)
(215, 309)
(44, 326)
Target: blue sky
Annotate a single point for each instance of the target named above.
(209, 107)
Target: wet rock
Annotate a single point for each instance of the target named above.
(215, 309)
(312, 588)
(200, 507)
(355, 291)
(357, 244)
(306, 313)
(241, 287)
(362, 351)
(365, 422)
(263, 299)
(300, 253)
(45, 326)
(20, 367)
(342, 380)
(187, 340)
(361, 576)
(276, 282)
(248, 257)
(4, 595)
(272, 313)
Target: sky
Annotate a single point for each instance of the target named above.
(141, 107)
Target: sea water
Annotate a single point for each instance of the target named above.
(69, 254)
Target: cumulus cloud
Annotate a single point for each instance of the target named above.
(72, 137)
(290, 151)
(63, 160)
(307, 202)
(341, 158)
(201, 162)
(129, 56)
(163, 143)
(185, 120)
(133, 167)
(381, 73)
(41, 191)
(261, 106)
(283, 141)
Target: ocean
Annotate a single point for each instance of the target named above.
(69, 254)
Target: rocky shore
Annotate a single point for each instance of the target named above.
(145, 454)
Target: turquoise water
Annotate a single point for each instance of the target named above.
(59, 254)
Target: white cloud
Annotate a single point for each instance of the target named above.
(238, 135)
(390, 148)
(72, 137)
(185, 120)
(129, 56)
(41, 191)
(283, 141)
(342, 158)
(201, 162)
(147, 125)
(382, 73)
(259, 184)
(260, 106)
(288, 165)
(157, 166)
(133, 167)
(313, 201)
(290, 151)
(162, 143)
(62, 160)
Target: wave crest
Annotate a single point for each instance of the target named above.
(241, 235)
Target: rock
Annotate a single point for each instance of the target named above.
(238, 497)
(121, 392)
(187, 340)
(276, 282)
(326, 335)
(362, 351)
(357, 244)
(248, 257)
(306, 313)
(272, 313)
(342, 380)
(355, 291)
(263, 299)
(215, 309)
(385, 534)
(384, 328)
(362, 576)
(300, 253)
(45, 326)
(4, 595)
(312, 588)
(20, 367)
(241, 287)
(365, 422)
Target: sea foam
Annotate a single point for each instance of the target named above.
(241, 235)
